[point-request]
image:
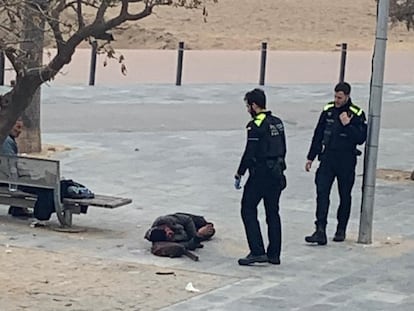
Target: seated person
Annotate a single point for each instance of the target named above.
(183, 228)
(44, 196)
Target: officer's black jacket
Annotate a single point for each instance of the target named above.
(331, 135)
(265, 140)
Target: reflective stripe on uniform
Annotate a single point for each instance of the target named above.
(258, 120)
(328, 106)
(356, 110)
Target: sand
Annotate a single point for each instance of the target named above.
(56, 281)
(244, 24)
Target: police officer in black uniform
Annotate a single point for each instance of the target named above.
(264, 157)
(341, 127)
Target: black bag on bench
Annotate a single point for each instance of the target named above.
(74, 190)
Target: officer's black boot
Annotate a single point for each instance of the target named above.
(319, 236)
(249, 259)
(339, 235)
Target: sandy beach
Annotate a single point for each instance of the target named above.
(243, 24)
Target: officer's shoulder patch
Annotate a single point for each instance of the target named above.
(280, 126)
(328, 106)
(356, 110)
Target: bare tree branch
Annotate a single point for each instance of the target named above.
(402, 11)
(54, 23)
(101, 11)
(14, 60)
(67, 35)
(97, 28)
(6, 28)
(80, 16)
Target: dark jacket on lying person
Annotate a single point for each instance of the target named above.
(181, 228)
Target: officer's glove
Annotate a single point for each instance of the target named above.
(237, 182)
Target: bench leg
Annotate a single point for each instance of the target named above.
(67, 215)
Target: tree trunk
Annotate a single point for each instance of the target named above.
(30, 139)
(33, 40)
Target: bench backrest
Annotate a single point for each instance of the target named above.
(34, 172)
(42, 173)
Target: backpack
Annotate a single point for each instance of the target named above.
(171, 249)
(73, 190)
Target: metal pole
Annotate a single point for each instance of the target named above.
(374, 118)
(93, 63)
(1, 68)
(263, 64)
(180, 63)
(344, 47)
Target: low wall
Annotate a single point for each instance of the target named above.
(211, 66)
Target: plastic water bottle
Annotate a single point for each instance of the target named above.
(13, 173)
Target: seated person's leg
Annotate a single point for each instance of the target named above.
(16, 211)
(45, 205)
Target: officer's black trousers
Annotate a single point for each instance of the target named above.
(257, 188)
(342, 167)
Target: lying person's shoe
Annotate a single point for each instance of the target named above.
(20, 212)
(38, 223)
(249, 259)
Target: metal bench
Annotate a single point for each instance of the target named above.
(45, 173)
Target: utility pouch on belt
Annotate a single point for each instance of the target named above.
(277, 167)
(274, 167)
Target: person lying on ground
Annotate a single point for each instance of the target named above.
(184, 228)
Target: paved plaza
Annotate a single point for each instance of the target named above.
(176, 149)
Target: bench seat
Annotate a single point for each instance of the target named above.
(17, 198)
(99, 200)
(45, 174)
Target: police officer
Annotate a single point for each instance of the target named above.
(264, 157)
(341, 127)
